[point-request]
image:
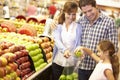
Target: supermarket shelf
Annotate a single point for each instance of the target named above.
(42, 73)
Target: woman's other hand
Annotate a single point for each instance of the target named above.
(67, 54)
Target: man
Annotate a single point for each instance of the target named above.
(96, 27)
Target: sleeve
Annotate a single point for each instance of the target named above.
(79, 35)
(113, 34)
(57, 39)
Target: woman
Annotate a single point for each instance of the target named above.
(67, 37)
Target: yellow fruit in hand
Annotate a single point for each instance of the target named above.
(78, 54)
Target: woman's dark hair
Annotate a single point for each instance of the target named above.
(87, 2)
(69, 7)
(107, 45)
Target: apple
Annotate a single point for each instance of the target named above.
(32, 47)
(69, 77)
(9, 56)
(13, 66)
(35, 58)
(25, 71)
(2, 72)
(78, 54)
(33, 53)
(7, 77)
(18, 54)
(40, 55)
(18, 78)
(24, 65)
(22, 60)
(25, 52)
(62, 77)
(3, 61)
(18, 72)
(38, 63)
(75, 75)
(42, 65)
(38, 50)
(8, 69)
(13, 75)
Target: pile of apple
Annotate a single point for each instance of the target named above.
(18, 58)
(37, 56)
(8, 68)
(27, 50)
(47, 48)
(73, 76)
(34, 46)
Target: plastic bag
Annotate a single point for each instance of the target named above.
(70, 72)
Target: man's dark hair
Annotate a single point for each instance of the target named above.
(87, 2)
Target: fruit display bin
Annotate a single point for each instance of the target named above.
(43, 74)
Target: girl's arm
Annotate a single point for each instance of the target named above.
(109, 74)
(90, 53)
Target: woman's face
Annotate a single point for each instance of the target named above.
(90, 12)
(70, 17)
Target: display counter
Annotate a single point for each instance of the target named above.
(44, 74)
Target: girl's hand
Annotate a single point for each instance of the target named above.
(83, 50)
(67, 54)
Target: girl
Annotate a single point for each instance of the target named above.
(67, 37)
(108, 62)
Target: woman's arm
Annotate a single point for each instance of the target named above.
(57, 39)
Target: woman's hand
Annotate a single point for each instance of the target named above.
(67, 54)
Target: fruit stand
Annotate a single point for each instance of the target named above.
(23, 49)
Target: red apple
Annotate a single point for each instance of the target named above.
(25, 65)
(2, 72)
(18, 72)
(13, 65)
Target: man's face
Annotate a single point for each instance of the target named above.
(90, 12)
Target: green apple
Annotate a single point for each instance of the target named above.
(69, 77)
(75, 75)
(33, 53)
(13, 75)
(62, 77)
(78, 54)
(40, 55)
(39, 62)
(35, 58)
(42, 65)
(38, 50)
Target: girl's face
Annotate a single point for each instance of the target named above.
(70, 17)
(100, 53)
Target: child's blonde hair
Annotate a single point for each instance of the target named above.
(107, 45)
